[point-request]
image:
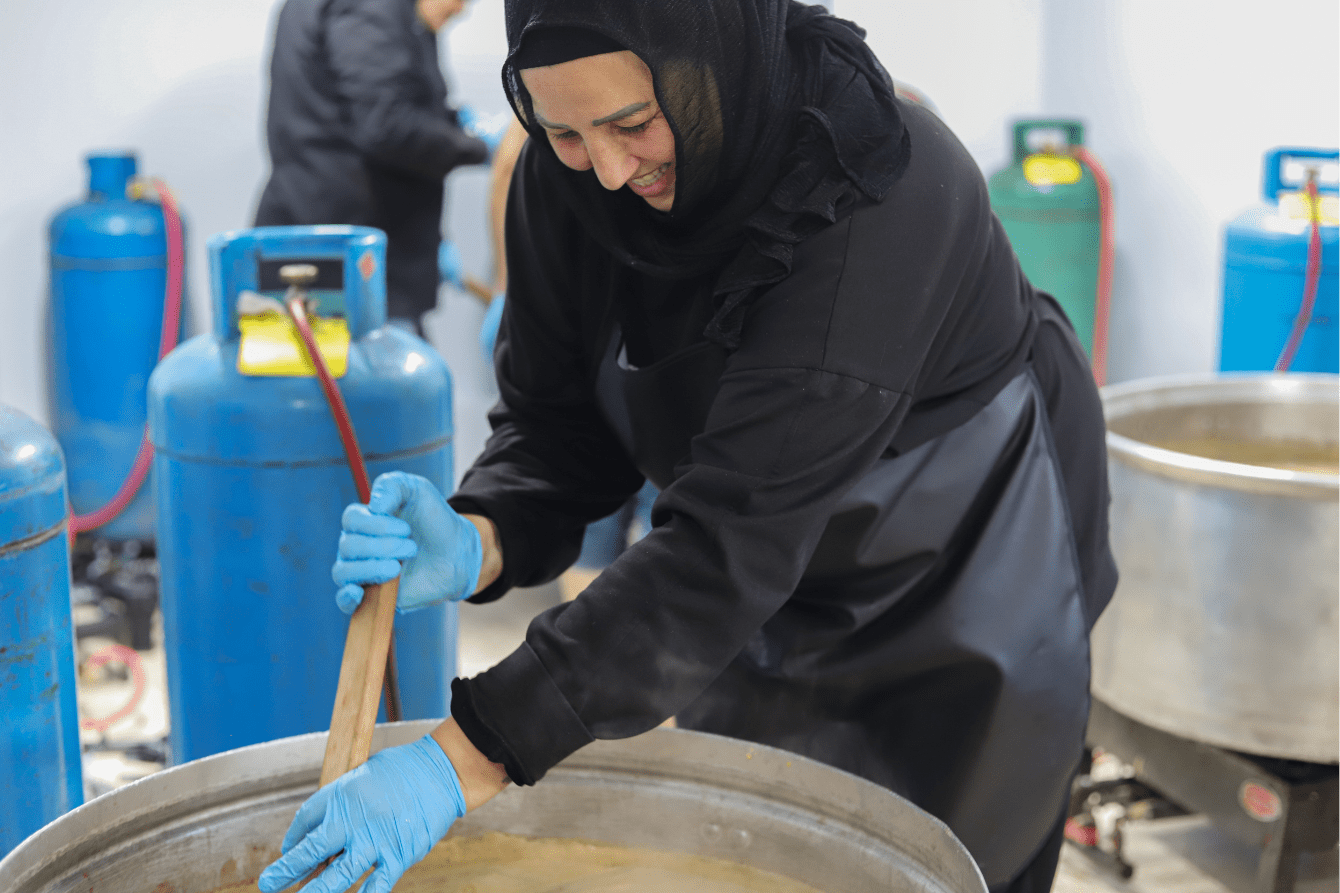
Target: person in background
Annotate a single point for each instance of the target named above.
(359, 132)
(741, 267)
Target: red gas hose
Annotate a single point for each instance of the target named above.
(1106, 260)
(333, 396)
(1310, 278)
(1082, 834)
(357, 467)
(176, 264)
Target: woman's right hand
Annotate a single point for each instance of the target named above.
(385, 815)
(407, 522)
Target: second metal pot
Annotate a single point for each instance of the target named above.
(1224, 627)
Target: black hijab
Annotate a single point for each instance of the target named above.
(780, 114)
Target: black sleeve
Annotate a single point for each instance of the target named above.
(829, 365)
(735, 531)
(552, 465)
(371, 51)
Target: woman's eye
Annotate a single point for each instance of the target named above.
(566, 136)
(636, 128)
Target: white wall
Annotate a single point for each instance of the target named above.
(1181, 99)
(978, 61)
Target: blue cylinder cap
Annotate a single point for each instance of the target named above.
(1264, 237)
(108, 174)
(108, 228)
(201, 409)
(235, 258)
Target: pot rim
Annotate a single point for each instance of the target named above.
(1201, 389)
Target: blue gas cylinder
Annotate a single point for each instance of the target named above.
(40, 776)
(108, 277)
(1265, 260)
(251, 480)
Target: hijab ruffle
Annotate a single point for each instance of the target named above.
(781, 116)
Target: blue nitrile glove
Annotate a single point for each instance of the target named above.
(489, 128)
(406, 520)
(488, 332)
(388, 812)
(449, 263)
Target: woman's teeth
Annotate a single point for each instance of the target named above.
(652, 177)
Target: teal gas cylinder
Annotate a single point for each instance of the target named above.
(108, 278)
(40, 776)
(1048, 204)
(251, 480)
(1265, 260)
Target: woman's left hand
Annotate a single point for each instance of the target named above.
(407, 519)
(388, 812)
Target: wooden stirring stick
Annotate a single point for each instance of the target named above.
(358, 693)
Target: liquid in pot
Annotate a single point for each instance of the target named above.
(506, 863)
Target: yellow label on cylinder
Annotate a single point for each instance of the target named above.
(1295, 205)
(272, 346)
(1046, 169)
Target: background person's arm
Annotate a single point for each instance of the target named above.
(500, 179)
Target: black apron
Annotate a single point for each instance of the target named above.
(937, 644)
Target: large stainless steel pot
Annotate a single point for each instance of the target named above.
(219, 820)
(1224, 626)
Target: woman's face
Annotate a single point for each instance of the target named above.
(600, 112)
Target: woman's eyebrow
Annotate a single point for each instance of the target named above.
(621, 113)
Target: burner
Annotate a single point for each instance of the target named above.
(1285, 807)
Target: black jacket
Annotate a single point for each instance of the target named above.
(359, 133)
(882, 534)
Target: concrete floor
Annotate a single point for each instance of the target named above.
(488, 633)
(1185, 854)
